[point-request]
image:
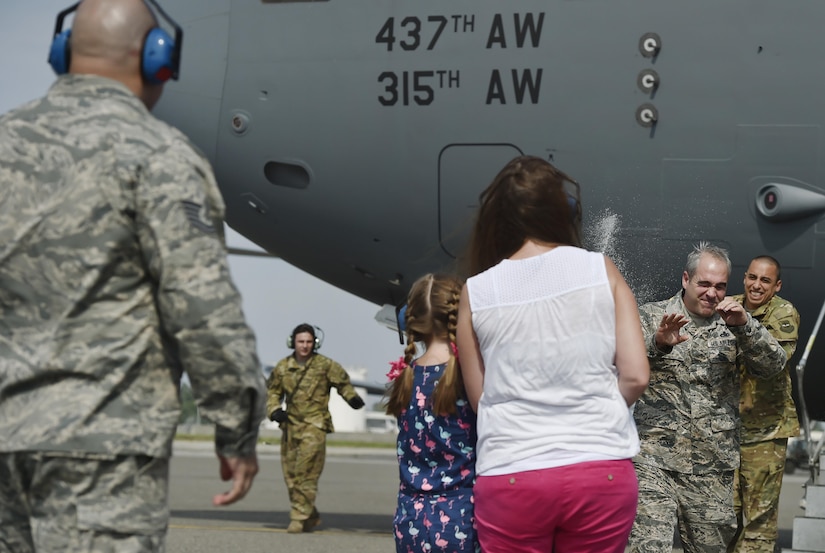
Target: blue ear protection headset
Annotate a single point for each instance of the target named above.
(574, 207)
(160, 56)
(401, 320)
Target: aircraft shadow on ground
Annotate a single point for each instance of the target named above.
(343, 522)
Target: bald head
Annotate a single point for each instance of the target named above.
(107, 39)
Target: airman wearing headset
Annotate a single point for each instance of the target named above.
(113, 281)
(303, 381)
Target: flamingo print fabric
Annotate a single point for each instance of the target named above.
(436, 461)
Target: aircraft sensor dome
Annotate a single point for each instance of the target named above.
(784, 202)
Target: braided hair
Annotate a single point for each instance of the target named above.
(432, 313)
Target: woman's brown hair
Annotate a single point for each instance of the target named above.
(527, 199)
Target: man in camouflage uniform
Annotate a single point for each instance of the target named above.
(113, 281)
(303, 380)
(768, 414)
(688, 418)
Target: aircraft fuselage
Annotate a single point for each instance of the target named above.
(353, 138)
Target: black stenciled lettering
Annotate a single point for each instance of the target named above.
(524, 82)
(448, 78)
(416, 87)
(391, 89)
(495, 91)
(456, 22)
(520, 85)
(469, 23)
(528, 26)
(386, 35)
(496, 35)
(424, 92)
(525, 28)
(414, 33)
(442, 22)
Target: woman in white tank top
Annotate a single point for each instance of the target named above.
(552, 356)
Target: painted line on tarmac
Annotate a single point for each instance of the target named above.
(225, 528)
(344, 458)
(274, 530)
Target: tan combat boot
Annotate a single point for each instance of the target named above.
(313, 520)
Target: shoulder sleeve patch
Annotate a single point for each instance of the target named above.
(199, 217)
(786, 327)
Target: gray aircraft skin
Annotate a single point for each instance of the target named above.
(353, 137)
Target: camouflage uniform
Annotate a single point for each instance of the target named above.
(768, 420)
(113, 281)
(303, 442)
(688, 425)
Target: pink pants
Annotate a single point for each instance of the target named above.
(581, 508)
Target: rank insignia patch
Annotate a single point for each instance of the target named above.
(196, 214)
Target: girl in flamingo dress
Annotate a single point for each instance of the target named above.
(436, 426)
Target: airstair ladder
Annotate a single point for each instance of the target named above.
(809, 530)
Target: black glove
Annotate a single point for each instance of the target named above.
(356, 402)
(278, 415)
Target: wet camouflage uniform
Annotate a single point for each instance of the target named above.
(768, 420)
(688, 422)
(304, 439)
(113, 280)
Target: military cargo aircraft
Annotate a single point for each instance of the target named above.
(352, 137)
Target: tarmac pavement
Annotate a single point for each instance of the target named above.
(356, 499)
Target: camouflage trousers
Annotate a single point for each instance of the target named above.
(756, 495)
(303, 453)
(700, 506)
(58, 504)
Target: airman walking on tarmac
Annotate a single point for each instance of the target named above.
(303, 381)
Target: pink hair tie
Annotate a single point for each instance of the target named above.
(397, 368)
